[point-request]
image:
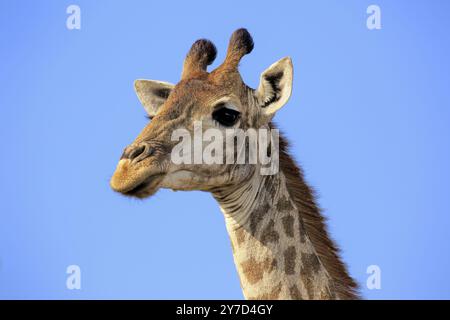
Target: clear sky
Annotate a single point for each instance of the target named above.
(369, 121)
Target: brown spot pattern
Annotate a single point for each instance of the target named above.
(257, 216)
(274, 264)
(302, 229)
(310, 262)
(310, 268)
(288, 225)
(284, 204)
(269, 234)
(307, 281)
(289, 260)
(240, 236)
(254, 270)
(295, 293)
(269, 187)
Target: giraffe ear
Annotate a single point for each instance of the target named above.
(152, 94)
(275, 86)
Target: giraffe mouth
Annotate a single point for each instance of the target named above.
(146, 188)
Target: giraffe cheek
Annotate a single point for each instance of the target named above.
(179, 180)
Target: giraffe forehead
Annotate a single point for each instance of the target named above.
(196, 90)
(197, 97)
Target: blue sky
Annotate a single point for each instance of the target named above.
(369, 121)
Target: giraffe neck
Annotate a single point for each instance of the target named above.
(273, 253)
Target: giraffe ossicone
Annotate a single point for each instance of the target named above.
(279, 240)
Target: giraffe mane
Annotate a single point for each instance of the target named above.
(315, 224)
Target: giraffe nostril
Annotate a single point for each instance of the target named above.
(136, 152)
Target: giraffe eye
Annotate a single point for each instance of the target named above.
(226, 117)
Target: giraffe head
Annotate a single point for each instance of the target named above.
(218, 99)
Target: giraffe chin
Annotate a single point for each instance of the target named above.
(146, 188)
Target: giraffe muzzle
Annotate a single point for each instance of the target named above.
(139, 170)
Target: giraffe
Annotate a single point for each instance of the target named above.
(280, 244)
